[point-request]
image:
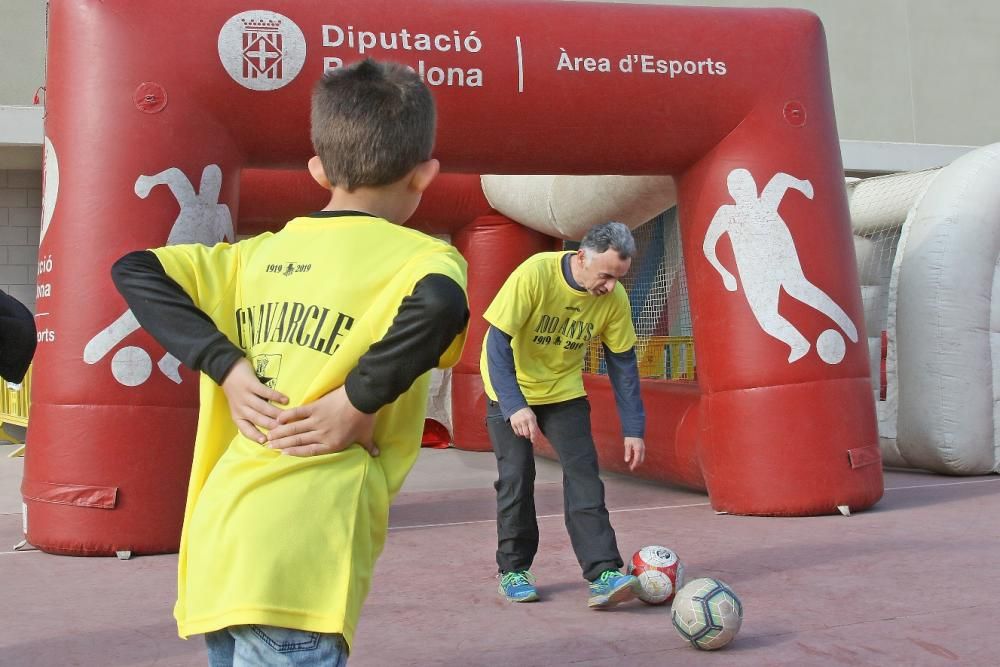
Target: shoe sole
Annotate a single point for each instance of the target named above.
(528, 598)
(624, 592)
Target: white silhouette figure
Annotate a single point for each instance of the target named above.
(767, 262)
(50, 186)
(130, 366)
(202, 219)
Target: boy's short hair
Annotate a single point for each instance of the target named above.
(372, 122)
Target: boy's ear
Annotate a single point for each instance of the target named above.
(318, 173)
(424, 174)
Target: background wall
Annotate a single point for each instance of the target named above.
(22, 43)
(22, 71)
(919, 71)
(20, 225)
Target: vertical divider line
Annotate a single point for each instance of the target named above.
(520, 64)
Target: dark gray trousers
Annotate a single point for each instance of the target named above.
(567, 426)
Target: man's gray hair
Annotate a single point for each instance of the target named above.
(610, 235)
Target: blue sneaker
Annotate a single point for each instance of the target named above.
(611, 588)
(518, 586)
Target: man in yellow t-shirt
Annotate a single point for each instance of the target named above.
(542, 321)
(342, 309)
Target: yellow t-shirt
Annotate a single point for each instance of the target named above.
(281, 540)
(551, 325)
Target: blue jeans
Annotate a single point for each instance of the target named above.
(270, 646)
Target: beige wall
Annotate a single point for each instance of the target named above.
(914, 71)
(20, 225)
(22, 50)
(955, 50)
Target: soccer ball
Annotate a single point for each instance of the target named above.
(659, 572)
(707, 613)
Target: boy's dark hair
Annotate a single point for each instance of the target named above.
(372, 122)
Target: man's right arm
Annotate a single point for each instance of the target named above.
(503, 374)
(503, 377)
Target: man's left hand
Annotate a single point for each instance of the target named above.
(635, 452)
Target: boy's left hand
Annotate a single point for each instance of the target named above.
(329, 424)
(250, 401)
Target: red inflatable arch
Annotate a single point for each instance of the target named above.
(165, 118)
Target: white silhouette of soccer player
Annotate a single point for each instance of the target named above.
(767, 262)
(202, 219)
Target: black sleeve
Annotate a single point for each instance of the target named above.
(17, 338)
(166, 311)
(425, 325)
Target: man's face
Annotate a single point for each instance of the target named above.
(599, 272)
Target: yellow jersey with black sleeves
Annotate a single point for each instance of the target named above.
(280, 540)
(551, 325)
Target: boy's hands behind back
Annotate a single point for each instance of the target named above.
(329, 424)
(250, 401)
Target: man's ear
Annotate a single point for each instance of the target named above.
(424, 174)
(318, 173)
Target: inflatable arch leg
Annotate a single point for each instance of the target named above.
(143, 406)
(785, 378)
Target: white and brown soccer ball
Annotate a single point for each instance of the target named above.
(659, 572)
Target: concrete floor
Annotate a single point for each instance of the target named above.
(911, 582)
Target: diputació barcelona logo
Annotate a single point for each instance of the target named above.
(262, 50)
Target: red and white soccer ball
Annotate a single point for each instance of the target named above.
(659, 571)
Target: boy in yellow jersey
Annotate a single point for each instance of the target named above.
(343, 309)
(542, 321)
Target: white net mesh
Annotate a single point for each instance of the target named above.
(879, 207)
(882, 202)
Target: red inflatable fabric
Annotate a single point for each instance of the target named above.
(151, 121)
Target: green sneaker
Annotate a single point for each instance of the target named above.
(611, 588)
(518, 586)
